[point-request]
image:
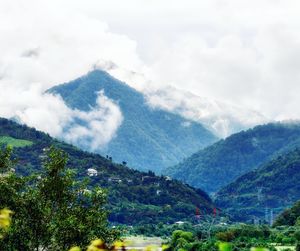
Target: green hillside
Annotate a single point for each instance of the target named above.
(220, 164)
(148, 138)
(273, 186)
(134, 197)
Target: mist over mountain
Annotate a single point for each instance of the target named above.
(222, 118)
(144, 137)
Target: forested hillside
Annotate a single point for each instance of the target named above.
(220, 164)
(148, 138)
(273, 186)
(134, 197)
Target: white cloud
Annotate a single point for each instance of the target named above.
(31, 107)
(44, 43)
(97, 127)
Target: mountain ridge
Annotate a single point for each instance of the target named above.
(221, 163)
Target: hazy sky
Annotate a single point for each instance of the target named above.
(243, 52)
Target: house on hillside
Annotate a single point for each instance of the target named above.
(92, 172)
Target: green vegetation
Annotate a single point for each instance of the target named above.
(5, 140)
(148, 138)
(289, 217)
(283, 235)
(134, 198)
(235, 238)
(220, 164)
(214, 234)
(273, 186)
(51, 211)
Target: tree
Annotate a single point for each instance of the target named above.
(52, 210)
(181, 240)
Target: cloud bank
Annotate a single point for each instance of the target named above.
(244, 52)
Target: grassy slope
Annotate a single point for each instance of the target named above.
(6, 140)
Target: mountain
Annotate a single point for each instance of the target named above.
(134, 197)
(221, 163)
(148, 138)
(273, 186)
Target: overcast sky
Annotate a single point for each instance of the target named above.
(243, 52)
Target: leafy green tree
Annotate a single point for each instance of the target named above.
(52, 211)
(181, 240)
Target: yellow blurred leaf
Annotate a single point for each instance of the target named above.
(75, 249)
(5, 218)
